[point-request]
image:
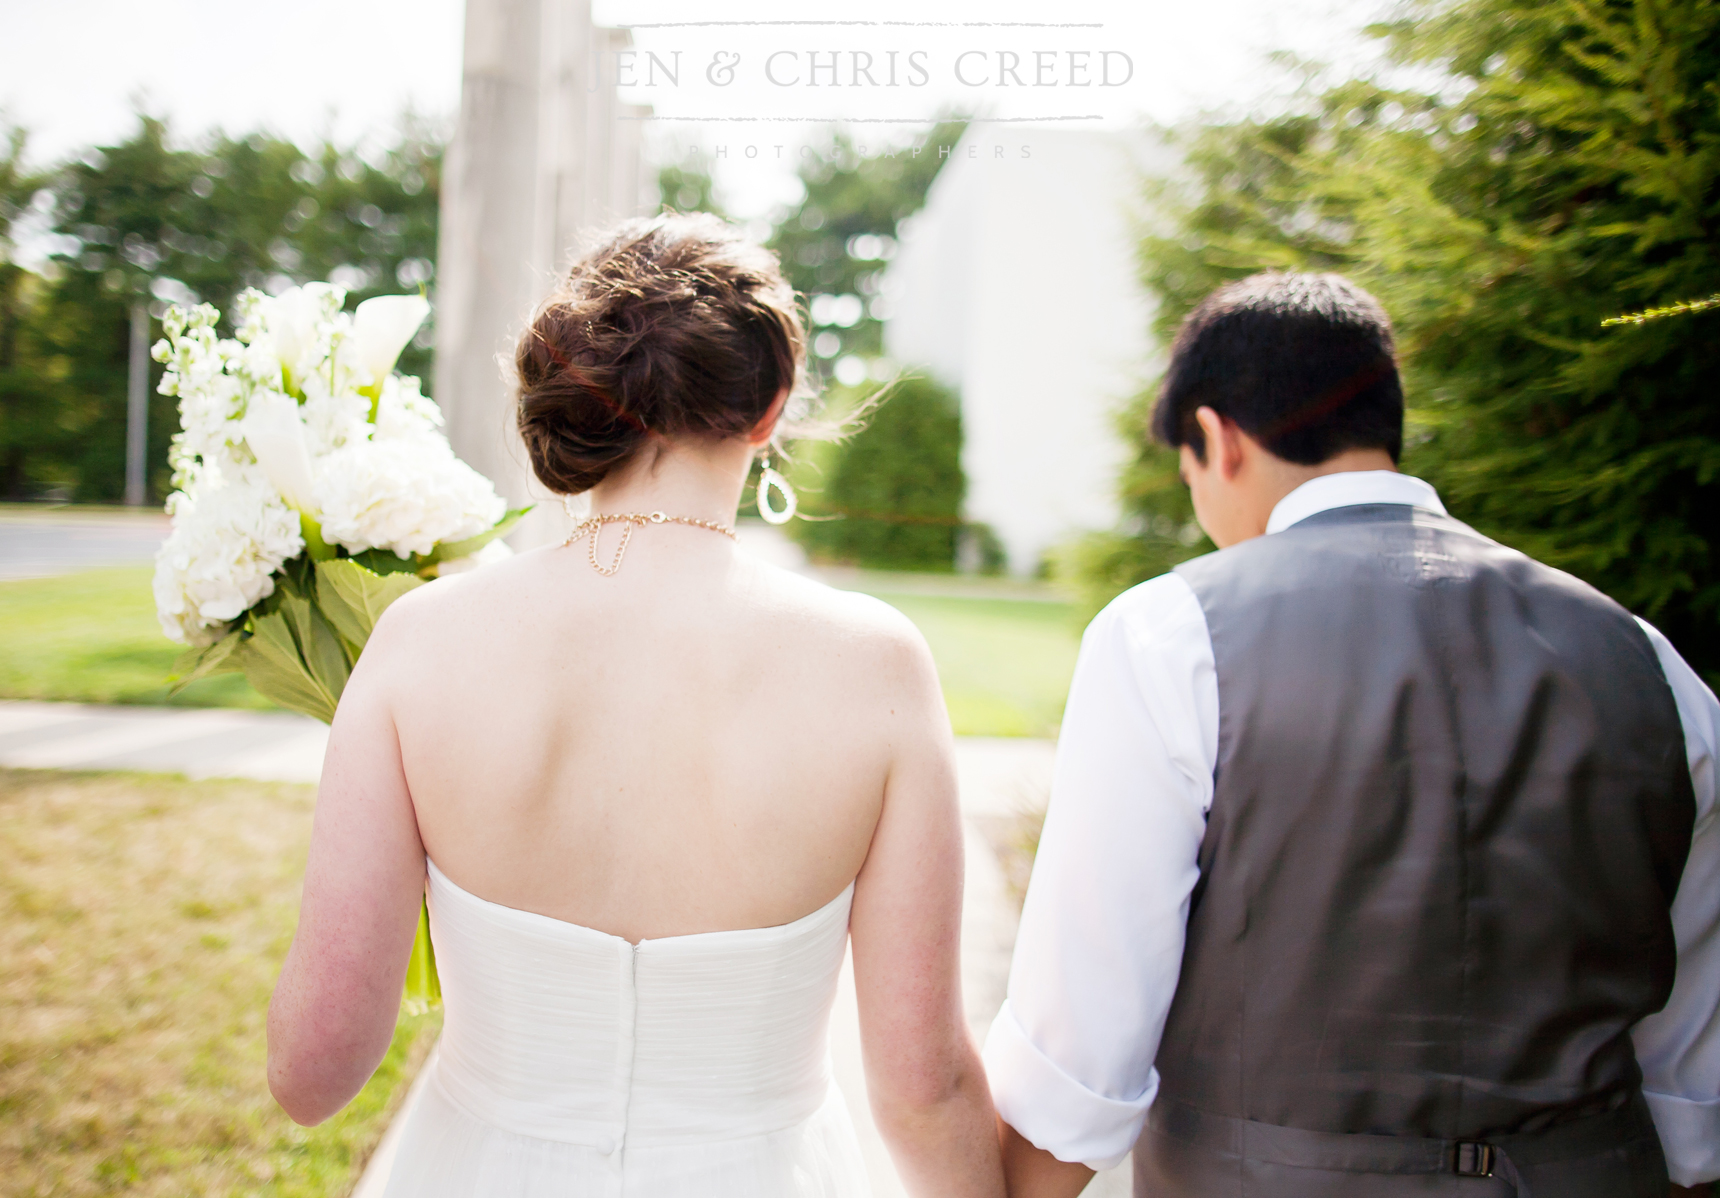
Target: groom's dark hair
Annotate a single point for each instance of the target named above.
(1303, 363)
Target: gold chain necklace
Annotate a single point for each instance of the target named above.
(593, 525)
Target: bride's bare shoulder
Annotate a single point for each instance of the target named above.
(480, 611)
(848, 619)
(426, 613)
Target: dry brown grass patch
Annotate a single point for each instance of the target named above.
(142, 923)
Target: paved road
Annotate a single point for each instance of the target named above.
(37, 543)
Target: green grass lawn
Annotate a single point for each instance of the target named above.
(92, 637)
(1005, 663)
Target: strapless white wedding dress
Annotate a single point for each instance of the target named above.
(574, 1063)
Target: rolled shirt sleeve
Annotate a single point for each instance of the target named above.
(1070, 1055)
(1679, 1046)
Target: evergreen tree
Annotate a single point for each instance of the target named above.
(1564, 168)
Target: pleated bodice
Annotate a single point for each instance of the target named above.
(631, 1068)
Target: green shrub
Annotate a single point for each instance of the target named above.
(894, 490)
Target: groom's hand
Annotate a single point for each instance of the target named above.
(1031, 1172)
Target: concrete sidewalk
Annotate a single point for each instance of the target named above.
(271, 746)
(997, 778)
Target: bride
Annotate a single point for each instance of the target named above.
(654, 788)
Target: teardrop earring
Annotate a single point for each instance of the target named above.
(767, 479)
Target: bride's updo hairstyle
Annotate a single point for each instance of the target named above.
(671, 326)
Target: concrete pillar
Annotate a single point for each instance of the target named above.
(532, 166)
(570, 74)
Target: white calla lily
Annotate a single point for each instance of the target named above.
(292, 319)
(276, 434)
(381, 329)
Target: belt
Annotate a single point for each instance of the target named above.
(1271, 1143)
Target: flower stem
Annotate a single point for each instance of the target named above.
(318, 549)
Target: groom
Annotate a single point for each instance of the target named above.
(1369, 868)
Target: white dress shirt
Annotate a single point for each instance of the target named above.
(1070, 1055)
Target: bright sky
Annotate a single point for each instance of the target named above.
(72, 71)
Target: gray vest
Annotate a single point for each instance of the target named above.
(1450, 814)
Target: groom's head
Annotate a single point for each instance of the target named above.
(1272, 379)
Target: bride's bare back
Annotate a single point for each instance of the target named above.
(698, 743)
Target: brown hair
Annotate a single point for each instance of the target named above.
(671, 325)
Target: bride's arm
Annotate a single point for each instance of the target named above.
(334, 1008)
(928, 1090)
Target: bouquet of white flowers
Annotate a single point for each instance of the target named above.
(313, 487)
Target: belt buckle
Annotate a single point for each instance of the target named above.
(1474, 1160)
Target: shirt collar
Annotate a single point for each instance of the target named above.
(1349, 488)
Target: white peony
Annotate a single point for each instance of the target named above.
(405, 495)
(229, 537)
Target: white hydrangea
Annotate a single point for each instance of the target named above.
(405, 495)
(229, 537)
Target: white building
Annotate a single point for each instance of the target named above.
(1016, 286)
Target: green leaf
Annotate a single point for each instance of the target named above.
(271, 661)
(381, 561)
(319, 646)
(204, 661)
(354, 598)
(455, 550)
(347, 620)
(423, 985)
